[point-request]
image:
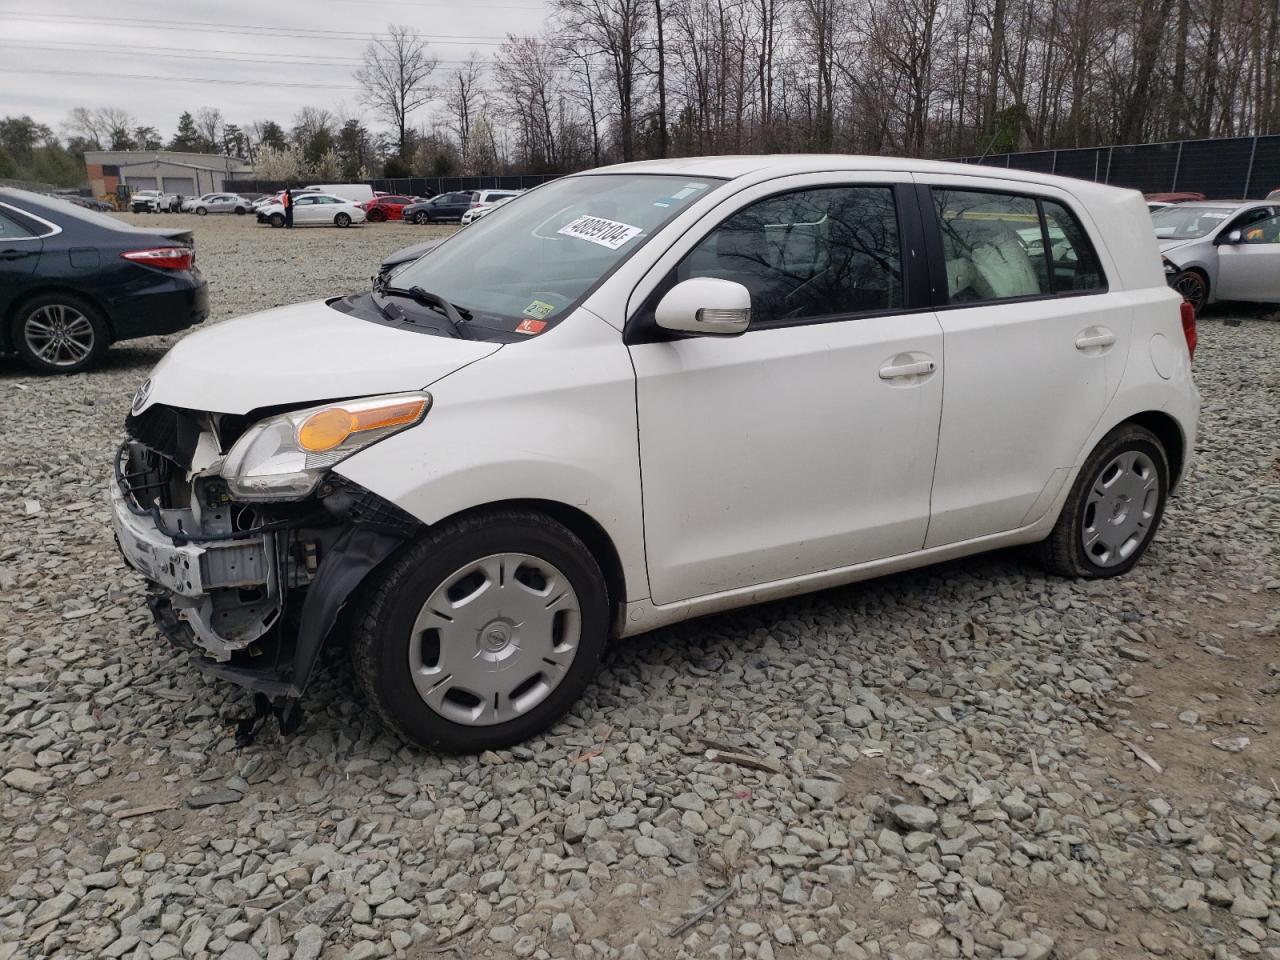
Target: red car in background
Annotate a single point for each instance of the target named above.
(389, 207)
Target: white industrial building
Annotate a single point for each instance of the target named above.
(190, 174)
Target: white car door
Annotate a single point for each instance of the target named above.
(1035, 347)
(807, 443)
(1250, 269)
(307, 209)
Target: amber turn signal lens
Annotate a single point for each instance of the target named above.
(329, 428)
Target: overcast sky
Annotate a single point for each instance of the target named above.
(156, 59)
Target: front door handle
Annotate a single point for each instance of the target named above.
(15, 254)
(916, 368)
(1094, 338)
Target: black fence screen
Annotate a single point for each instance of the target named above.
(411, 186)
(1227, 168)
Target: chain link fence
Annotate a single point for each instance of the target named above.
(1224, 168)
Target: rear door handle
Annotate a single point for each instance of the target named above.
(917, 368)
(1095, 337)
(15, 254)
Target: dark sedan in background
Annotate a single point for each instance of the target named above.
(74, 281)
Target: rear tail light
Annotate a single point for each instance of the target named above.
(1189, 327)
(165, 258)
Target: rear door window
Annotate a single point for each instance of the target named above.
(992, 246)
(11, 229)
(1000, 246)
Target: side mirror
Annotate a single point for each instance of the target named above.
(1235, 236)
(705, 306)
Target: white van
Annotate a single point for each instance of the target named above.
(355, 192)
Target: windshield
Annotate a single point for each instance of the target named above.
(1188, 223)
(526, 266)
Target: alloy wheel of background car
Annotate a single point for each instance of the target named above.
(1193, 287)
(202, 211)
(276, 219)
(240, 211)
(342, 220)
(421, 217)
(375, 216)
(483, 632)
(1114, 507)
(59, 334)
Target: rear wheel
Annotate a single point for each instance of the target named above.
(422, 217)
(59, 333)
(1114, 508)
(483, 633)
(1194, 287)
(276, 219)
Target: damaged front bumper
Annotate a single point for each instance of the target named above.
(253, 590)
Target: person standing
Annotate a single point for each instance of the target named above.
(288, 206)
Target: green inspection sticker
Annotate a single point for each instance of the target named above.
(539, 310)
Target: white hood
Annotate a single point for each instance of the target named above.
(302, 353)
(1167, 245)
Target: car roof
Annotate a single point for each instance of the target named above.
(757, 168)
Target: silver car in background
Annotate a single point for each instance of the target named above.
(220, 203)
(1221, 250)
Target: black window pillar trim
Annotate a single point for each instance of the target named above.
(937, 295)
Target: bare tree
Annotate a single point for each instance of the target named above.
(209, 123)
(462, 99)
(396, 77)
(615, 29)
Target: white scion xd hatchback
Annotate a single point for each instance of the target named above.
(645, 393)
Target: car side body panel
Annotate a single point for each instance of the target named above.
(553, 419)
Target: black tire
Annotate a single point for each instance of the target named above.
(376, 216)
(1063, 552)
(342, 220)
(382, 625)
(1194, 287)
(276, 219)
(31, 311)
(421, 217)
(202, 211)
(241, 211)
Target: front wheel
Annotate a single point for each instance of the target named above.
(483, 633)
(421, 217)
(276, 219)
(1114, 508)
(202, 211)
(241, 211)
(342, 220)
(1194, 288)
(375, 216)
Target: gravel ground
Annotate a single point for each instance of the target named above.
(959, 761)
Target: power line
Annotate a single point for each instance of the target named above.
(162, 79)
(292, 33)
(145, 52)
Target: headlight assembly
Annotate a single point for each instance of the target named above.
(283, 457)
(1169, 268)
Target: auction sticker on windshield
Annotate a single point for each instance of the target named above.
(606, 233)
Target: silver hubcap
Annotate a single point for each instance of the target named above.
(1120, 508)
(59, 335)
(494, 639)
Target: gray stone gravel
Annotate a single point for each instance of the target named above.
(954, 747)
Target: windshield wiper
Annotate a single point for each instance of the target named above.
(454, 315)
